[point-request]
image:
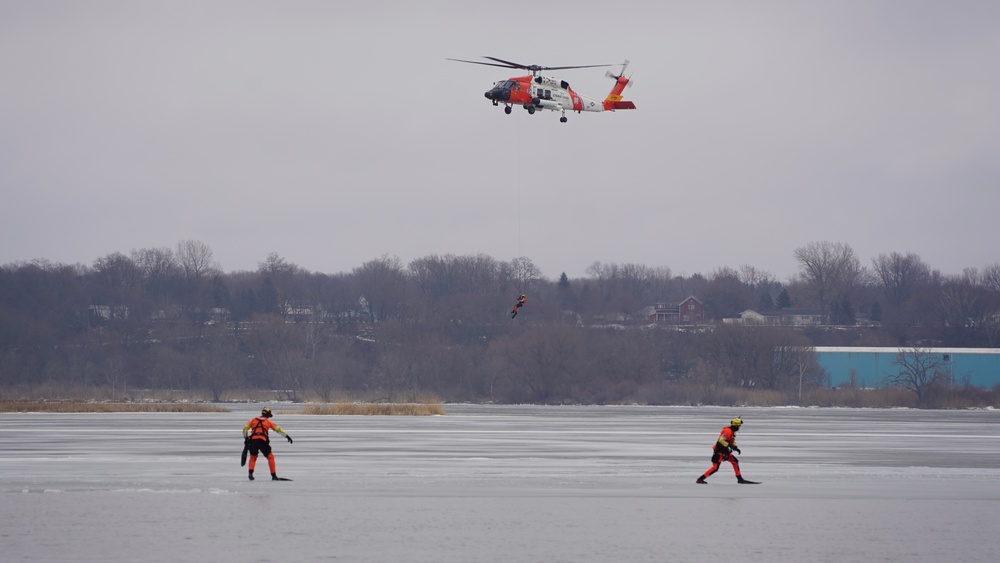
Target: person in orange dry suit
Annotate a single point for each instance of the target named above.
(520, 303)
(255, 436)
(723, 451)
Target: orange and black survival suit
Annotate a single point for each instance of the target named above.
(255, 435)
(520, 303)
(723, 452)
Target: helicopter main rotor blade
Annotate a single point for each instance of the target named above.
(566, 67)
(482, 63)
(510, 64)
(536, 68)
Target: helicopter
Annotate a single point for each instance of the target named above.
(537, 92)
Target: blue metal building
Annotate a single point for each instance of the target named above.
(977, 366)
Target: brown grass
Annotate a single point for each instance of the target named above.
(686, 393)
(856, 397)
(379, 409)
(86, 406)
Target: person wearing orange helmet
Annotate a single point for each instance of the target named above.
(257, 442)
(723, 451)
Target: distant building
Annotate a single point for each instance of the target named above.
(218, 315)
(689, 311)
(100, 313)
(789, 316)
(867, 367)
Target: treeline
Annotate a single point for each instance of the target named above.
(440, 326)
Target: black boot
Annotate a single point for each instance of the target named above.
(701, 480)
(251, 474)
(274, 477)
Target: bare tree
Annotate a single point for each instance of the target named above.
(525, 272)
(603, 276)
(113, 369)
(626, 288)
(331, 371)
(829, 270)
(990, 277)
(762, 357)
(725, 295)
(472, 286)
(541, 363)
(433, 276)
(118, 275)
(970, 306)
(155, 263)
(763, 284)
(968, 312)
(921, 371)
(277, 351)
(118, 295)
(620, 364)
(382, 287)
(755, 277)
(195, 258)
(274, 265)
(218, 366)
(899, 276)
(744, 354)
(796, 367)
(710, 379)
(160, 273)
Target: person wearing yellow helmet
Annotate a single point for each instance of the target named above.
(256, 441)
(723, 450)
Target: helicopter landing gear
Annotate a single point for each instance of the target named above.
(563, 119)
(530, 108)
(506, 109)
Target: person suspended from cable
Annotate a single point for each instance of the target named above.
(520, 303)
(257, 442)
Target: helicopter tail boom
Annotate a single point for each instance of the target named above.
(614, 100)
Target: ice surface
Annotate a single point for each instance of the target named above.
(504, 484)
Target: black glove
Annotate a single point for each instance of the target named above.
(289, 438)
(737, 450)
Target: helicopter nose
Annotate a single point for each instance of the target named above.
(498, 94)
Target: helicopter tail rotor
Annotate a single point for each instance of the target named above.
(610, 74)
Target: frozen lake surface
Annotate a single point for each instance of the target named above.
(504, 484)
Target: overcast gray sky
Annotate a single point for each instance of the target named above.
(335, 132)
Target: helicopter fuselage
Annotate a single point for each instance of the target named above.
(538, 92)
(541, 93)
